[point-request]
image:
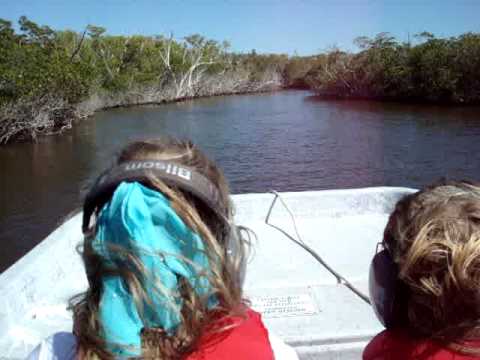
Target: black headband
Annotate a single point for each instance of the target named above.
(183, 177)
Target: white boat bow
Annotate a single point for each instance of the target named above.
(301, 302)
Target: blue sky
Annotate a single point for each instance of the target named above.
(279, 26)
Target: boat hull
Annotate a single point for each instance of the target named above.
(301, 302)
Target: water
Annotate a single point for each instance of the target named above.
(287, 141)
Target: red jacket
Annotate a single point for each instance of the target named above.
(397, 345)
(248, 340)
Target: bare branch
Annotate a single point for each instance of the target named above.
(79, 46)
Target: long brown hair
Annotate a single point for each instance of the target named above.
(434, 237)
(196, 318)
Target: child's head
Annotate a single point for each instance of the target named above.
(198, 283)
(434, 238)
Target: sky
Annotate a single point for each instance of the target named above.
(302, 27)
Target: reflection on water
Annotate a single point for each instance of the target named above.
(288, 141)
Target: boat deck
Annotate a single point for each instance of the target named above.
(301, 302)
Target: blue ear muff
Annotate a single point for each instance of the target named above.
(384, 288)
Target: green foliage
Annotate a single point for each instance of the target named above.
(37, 61)
(35, 64)
(296, 70)
(258, 65)
(433, 69)
(45, 74)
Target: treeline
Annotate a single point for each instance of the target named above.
(433, 69)
(50, 78)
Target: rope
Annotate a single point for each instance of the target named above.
(299, 241)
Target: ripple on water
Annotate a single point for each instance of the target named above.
(288, 141)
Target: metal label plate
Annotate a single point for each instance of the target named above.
(284, 305)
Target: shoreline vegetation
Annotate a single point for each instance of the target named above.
(50, 79)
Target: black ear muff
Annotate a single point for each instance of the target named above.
(384, 288)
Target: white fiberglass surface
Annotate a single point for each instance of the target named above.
(346, 243)
(300, 301)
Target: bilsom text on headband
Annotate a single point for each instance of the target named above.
(172, 173)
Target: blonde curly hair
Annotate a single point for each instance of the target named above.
(434, 238)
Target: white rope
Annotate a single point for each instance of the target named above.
(299, 241)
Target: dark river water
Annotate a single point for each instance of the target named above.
(287, 141)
